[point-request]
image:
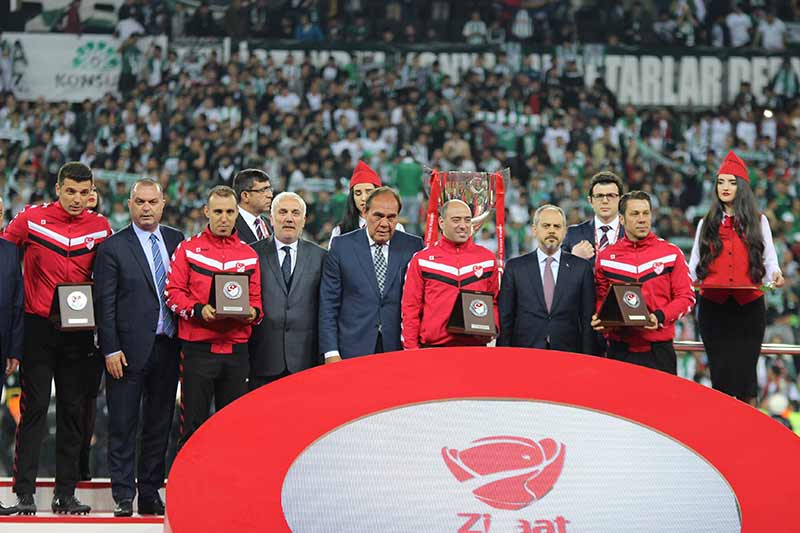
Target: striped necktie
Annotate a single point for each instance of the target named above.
(161, 280)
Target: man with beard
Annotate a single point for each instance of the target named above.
(547, 297)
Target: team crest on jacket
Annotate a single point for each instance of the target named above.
(658, 267)
(240, 267)
(90, 242)
(477, 270)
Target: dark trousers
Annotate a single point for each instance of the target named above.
(51, 354)
(152, 388)
(732, 336)
(660, 357)
(94, 375)
(255, 382)
(204, 376)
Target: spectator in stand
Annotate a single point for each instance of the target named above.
(236, 21)
(475, 30)
(202, 23)
(740, 26)
(307, 30)
(785, 84)
(771, 33)
(637, 25)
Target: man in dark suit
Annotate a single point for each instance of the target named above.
(591, 236)
(287, 340)
(254, 196)
(11, 306)
(138, 337)
(362, 283)
(547, 297)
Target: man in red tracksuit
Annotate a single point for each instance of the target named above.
(438, 273)
(214, 356)
(60, 241)
(642, 257)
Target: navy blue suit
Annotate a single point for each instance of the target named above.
(524, 319)
(11, 305)
(585, 231)
(128, 307)
(351, 309)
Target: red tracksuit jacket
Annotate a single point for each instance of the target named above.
(59, 248)
(434, 278)
(666, 285)
(188, 288)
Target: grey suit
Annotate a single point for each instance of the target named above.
(286, 341)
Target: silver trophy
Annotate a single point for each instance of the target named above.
(479, 190)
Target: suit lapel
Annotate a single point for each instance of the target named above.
(141, 259)
(300, 266)
(272, 262)
(535, 279)
(364, 255)
(564, 273)
(395, 262)
(245, 232)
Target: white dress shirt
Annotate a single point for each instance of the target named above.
(613, 233)
(771, 265)
(281, 254)
(553, 266)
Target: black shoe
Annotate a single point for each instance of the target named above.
(153, 506)
(5, 511)
(124, 508)
(69, 505)
(26, 505)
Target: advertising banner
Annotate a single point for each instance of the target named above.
(72, 68)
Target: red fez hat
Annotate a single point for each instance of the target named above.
(733, 164)
(364, 174)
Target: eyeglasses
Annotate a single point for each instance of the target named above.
(608, 196)
(263, 189)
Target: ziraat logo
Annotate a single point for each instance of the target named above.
(482, 523)
(511, 472)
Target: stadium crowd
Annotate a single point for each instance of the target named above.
(193, 125)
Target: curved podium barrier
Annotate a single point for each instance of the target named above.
(485, 440)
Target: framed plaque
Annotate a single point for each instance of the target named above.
(624, 306)
(230, 295)
(473, 314)
(73, 308)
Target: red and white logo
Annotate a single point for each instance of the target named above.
(514, 471)
(658, 267)
(90, 242)
(477, 270)
(478, 308)
(240, 267)
(232, 290)
(631, 299)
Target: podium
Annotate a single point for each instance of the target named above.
(484, 436)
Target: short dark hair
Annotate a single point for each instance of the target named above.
(605, 176)
(244, 180)
(381, 191)
(633, 195)
(222, 191)
(75, 171)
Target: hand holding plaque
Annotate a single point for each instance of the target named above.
(624, 305)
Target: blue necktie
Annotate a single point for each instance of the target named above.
(286, 266)
(161, 280)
